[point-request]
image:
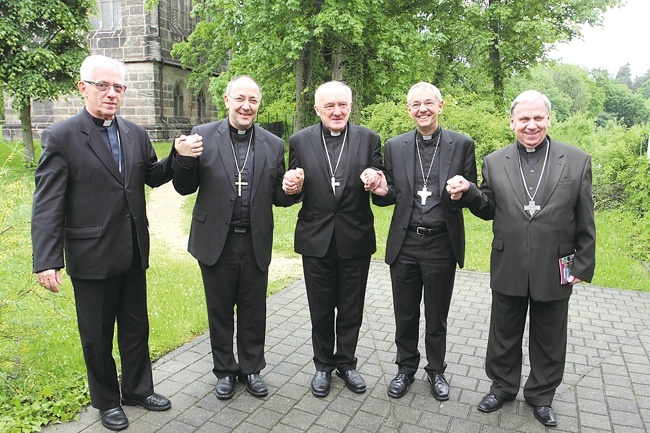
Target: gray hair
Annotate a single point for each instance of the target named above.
(94, 62)
(529, 96)
(331, 84)
(242, 77)
(426, 86)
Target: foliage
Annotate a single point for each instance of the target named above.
(42, 44)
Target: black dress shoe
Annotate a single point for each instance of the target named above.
(353, 380)
(225, 388)
(545, 415)
(320, 384)
(154, 402)
(254, 384)
(490, 403)
(400, 385)
(114, 418)
(439, 386)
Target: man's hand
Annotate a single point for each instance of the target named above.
(374, 181)
(189, 145)
(456, 186)
(50, 279)
(293, 180)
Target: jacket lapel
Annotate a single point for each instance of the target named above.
(554, 168)
(223, 147)
(99, 147)
(261, 154)
(446, 152)
(513, 172)
(128, 149)
(408, 158)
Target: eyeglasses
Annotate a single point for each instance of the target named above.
(429, 103)
(241, 100)
(102, 86)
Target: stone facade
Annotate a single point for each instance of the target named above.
(157, 96)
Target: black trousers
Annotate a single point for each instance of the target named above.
(235, 280)
(336, 291)
(546, 347)
(99, 304)
(425, 264)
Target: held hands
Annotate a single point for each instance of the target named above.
(374, 181)
(50, 279)
(189, 145)
(293, 180)
(456, 186)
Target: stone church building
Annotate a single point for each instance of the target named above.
(157, 96)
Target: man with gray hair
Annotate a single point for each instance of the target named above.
(426, 238)
(89, 201)
(537, 191)
(335, 230)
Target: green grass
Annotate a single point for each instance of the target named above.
(42, 375)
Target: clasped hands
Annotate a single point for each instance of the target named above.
(374, 181)
(456, 186)
(293, 180)
(189, 145)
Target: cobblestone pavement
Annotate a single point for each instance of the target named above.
(606, 385)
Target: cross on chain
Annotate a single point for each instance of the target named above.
(424, 194)
(531, 207)
(239, 183)
(335, 184)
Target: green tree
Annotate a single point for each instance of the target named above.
(42, 43)
(291, 47)
(503, 37)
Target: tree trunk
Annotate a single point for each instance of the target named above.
(337, 64)
(495, 56)
(303, 71)
(26, 127)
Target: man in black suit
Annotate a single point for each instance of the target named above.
(537, 191)
(335, 231)
(89, 201)
(426, 238)
(239, 178)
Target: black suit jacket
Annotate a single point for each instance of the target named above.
(456, 155)
(213, 174)
(525, 249)
(84, 205)
(322, 214)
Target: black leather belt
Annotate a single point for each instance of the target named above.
(240, 230)
(429, 231)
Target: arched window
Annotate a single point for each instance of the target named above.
(202, 108)
(178, 102)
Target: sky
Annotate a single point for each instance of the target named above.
(624, 38)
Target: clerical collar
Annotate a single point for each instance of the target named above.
(240, 132)
(541, 147)
(427, 139)
(328, 133)
(100, 122)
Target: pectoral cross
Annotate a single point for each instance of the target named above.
(239, 183)
(335, 184)
(531, 208)
(424, 194)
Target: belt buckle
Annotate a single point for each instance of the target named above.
(239, 230)
(422, 231)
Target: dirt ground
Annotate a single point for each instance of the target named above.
(169, 227)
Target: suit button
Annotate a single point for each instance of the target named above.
(128, 217)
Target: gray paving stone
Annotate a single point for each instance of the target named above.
(606, 386)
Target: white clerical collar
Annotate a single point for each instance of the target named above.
(530, 149)
(108, 123)
(427, 137)
(335, 134)
(241, 132)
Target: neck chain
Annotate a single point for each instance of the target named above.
(531, 207)
(239, 183)
(424, 193)
(329, 161)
